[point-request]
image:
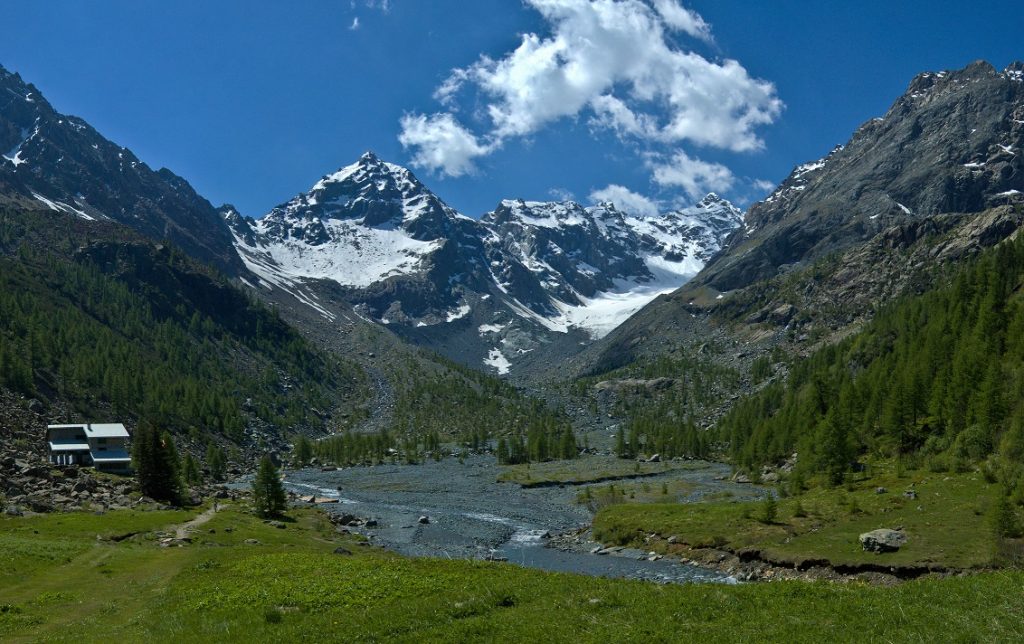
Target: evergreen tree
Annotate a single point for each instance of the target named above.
(216, 462)
(268, 495)
(568, 445)
(502, 451)
(190, 468)
(621, 448)
(303, 450)
(157, 467)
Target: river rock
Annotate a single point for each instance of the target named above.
(883, 540)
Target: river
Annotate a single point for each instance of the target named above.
(468, 515)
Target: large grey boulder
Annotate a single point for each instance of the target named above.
(883, 540)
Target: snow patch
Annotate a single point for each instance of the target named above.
(495, 358)
(459, 313)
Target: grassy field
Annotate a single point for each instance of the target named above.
(946, 523)
(292, 586)
(587, 469)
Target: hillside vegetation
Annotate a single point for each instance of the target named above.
(935, 380)
(94, 316)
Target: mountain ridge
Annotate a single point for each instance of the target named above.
(526, 274)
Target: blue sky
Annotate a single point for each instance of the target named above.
(253, 101)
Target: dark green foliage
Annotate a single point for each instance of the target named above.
(144, 331)
(268, 495)
(216, 462)
(769, 510)
(190, 470)
(938, 376)
(1003, 519)
(470, 407)
(157, 467)
(302, 450)
(659, 420)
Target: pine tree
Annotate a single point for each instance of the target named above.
(157, 466)
(502, 452)
(190, 468)
(568, 446)
(303, 450)
(215, 461)
(268, 496)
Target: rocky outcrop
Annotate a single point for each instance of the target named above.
(527, 279)
(61, 163)
(883, 540)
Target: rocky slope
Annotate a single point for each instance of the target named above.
(488, 292)
(934, 180)
(55, 161)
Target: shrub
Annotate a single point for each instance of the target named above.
(769, 510)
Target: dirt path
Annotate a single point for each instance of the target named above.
(181, 530)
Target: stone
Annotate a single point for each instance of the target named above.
(880, 490)
(342, 551)
(423, 520)
(252, 542)
(910, 494)
(655, 458)
(883, 540)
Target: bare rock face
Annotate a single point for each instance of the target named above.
(951, 144)
(61, 163)
(883, 540)
(528, 275)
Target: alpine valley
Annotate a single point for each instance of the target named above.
(525, 285)
(826, 391)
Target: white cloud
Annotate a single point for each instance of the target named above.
(355, 24)
(441, 144)
(695, 177)
(561, 194)
(615, 64)
(678, 17)
(625, 200)
(763, 185)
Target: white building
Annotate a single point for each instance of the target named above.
(102, 445)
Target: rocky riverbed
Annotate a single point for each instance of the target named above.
(458, 510)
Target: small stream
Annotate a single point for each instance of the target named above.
(468, 515)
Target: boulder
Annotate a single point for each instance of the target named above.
(423, 520)
(883, 540)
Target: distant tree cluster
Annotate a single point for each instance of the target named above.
(660, 420)
(130, 336)
(937, 378)
(543, 440)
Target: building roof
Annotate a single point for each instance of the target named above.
(96, 430)
(68, 446)
(106, 430)
(111, 456)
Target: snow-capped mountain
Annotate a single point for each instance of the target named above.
(493, 290)
(60, 163)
